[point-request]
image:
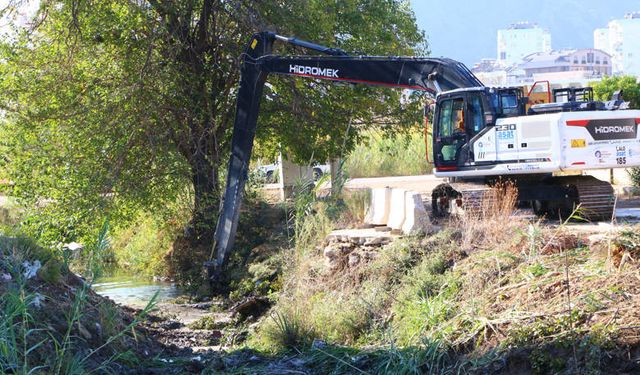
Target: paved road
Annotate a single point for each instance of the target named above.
(422, 184)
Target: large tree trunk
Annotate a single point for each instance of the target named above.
(206, 189)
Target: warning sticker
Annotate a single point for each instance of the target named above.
(578, 143)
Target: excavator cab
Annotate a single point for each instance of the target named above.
(460, 115)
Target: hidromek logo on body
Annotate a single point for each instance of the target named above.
(607, 129)
(614, 129)
(313, 71)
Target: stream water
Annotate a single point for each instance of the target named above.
(129, 291)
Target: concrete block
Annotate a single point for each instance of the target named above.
(291, 174)
(416, 217)
(378, 213)
(397, 208)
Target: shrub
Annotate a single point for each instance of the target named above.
(398, 156)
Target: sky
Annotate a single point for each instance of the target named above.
(465, 30)
(20, 15)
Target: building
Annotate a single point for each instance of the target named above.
(519, 40)
(592, 62)
(490, 73)
(620, 40)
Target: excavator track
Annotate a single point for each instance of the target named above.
(461, 198)
(595, 198)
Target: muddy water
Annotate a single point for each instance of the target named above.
(129, 291)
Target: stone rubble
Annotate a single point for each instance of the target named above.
(343, 251)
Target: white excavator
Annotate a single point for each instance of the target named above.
(480, 134)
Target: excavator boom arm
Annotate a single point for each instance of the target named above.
(432, 75)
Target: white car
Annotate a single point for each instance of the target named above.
(269, 171)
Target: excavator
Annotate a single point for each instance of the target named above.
(480, 134)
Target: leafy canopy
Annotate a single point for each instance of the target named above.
(114, 106)
(628, 84)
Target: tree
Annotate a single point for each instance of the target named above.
(116, 105)
(628, 84)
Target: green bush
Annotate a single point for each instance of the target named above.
(634, 174)
(142, 247)
(400, 156)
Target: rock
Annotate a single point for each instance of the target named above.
(251, 306)
(364, 226)
(374, 241)
(30, 268)
(84, 332)
(354, 259)
(345, 250)
(596, 239)
(370, 255)
(382, 229)
(203, 305)
(98, 329)
(170, 325)
(333, 264)
(318, 344)
(297, 362)
(330, 252)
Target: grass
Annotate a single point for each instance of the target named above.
(379, 156)
(488, 290)
(141, 248)
(41, 332)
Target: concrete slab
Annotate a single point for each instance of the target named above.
(416, 219)
(379, 206)
(628, 212)
(397, 209)
(365, 234)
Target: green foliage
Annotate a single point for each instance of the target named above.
(536, 270)
(46, 333)
(286, 331)
(383, 155)
(426, 302)
(629, 239)
(116, 107)
(142, 247)
(628, 84)
(634, 174)
(208, 322)
(51, 271)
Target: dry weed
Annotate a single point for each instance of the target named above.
(494, 223)
(560, 242)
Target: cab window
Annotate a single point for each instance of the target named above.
(451, 118)
(476, 114)
(506, 103)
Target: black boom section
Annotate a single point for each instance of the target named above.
(252, 80)
(427, 74)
